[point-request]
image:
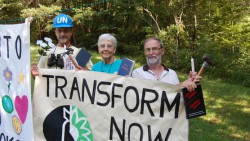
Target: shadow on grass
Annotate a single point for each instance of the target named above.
(228, 114)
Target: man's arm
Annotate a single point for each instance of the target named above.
(41, 64)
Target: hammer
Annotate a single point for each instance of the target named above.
(206, 62)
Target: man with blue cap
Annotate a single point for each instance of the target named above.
(63, 30)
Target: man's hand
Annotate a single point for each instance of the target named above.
(34, 70)
(191, 82)
(190, 85)
(193, 76)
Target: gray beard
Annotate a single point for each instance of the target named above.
(63, 40)
(156, 61)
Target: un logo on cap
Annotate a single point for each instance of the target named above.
(62, 20)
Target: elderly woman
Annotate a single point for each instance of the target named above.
(107, 44)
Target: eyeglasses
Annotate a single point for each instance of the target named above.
(108, 46)
(154, 49)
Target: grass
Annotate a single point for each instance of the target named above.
(228, 113)
(227, 105)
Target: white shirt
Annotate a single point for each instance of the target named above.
(167, 76)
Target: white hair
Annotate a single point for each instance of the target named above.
(107, 37)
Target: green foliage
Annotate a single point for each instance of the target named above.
(42, 21)
(13, 8)
(43, 16)
(188, 28)
(84, 19)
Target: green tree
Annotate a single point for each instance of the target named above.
(188, 28)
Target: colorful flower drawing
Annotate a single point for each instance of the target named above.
(8, 76)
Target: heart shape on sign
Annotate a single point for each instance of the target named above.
(21, 105)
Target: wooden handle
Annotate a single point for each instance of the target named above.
(201, 71)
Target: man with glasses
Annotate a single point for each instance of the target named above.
(155, 70)
(56, 57)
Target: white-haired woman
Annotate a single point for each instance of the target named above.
(107, 44)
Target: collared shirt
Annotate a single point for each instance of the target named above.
(167, 76)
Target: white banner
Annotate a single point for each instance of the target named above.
(93, 106)
(16, 109)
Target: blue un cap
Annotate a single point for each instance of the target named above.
(62, 20)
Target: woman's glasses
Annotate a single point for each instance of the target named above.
(104, 46)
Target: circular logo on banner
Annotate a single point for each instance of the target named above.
(67, 123)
